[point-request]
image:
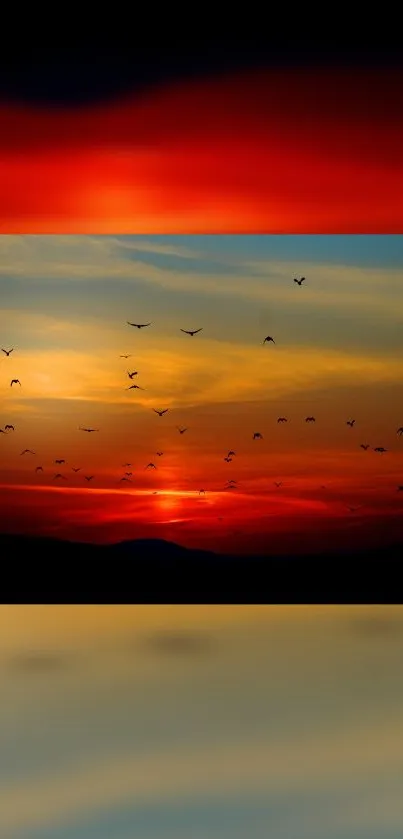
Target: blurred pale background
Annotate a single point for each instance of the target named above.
(201, 722)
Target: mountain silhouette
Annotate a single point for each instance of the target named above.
(48, 570)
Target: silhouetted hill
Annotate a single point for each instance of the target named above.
(37, 569)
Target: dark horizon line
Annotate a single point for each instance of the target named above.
(83, 573)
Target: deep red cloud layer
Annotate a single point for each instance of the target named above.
(276, 152)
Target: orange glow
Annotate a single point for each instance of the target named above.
(297, 151)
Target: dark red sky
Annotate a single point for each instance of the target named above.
(298, 150)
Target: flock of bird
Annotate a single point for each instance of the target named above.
(228, 458)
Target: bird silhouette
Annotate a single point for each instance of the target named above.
(58, 475)
(258, 436)
(282, 419)
(76, 469)
(160, 413)
(364, 446)
(7, 352)
(39, 469)
(181, 430)
(278, 483)
(131, 375)
(268, 339)
(350, 423)
(302, 280)
(128, 474)
(124, 479)
(88, 430)
(231, 454)
(9, 427)
(191, 331)
(15, 382)
(138, 325)
(135, 387)
(150, 466)
(128, 465)
(159, 454)
(88, 477)
(310, 419)
(380, 449)
(400, 431)
(228, 459)
(27, 451)
(125, 356)
(59, 462)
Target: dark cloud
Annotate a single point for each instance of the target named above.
(39, 662)
(377, 626)
(178, 642)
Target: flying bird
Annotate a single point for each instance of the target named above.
(159, 454)
(15, 382)
(231, 454)
(39, 469)
(27, 451)
(400, 431)
(181, 430)
(228, 459)
(125, 356)
(59, 462)
(128, 465)
(89, 430)
(310, 419)
(364, 446)
(350, 423)
(282, 419)
(9, 428)
(150, 466)
(135, 387)
(7, 352)
(191, 331)
(380, 449)
(257, 436)
(128, 474)
(302, 280)
(76, 469)
(138, 325)
(131, 375)
(59, 476)
(268, 339)
(278, 483)
(160, 413)
(124, 479)
(88, 477)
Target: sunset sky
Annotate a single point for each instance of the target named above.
(206, 722)
(65, 301)
(276, 150)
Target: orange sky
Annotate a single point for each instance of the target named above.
(65, 303)
(280, 151)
